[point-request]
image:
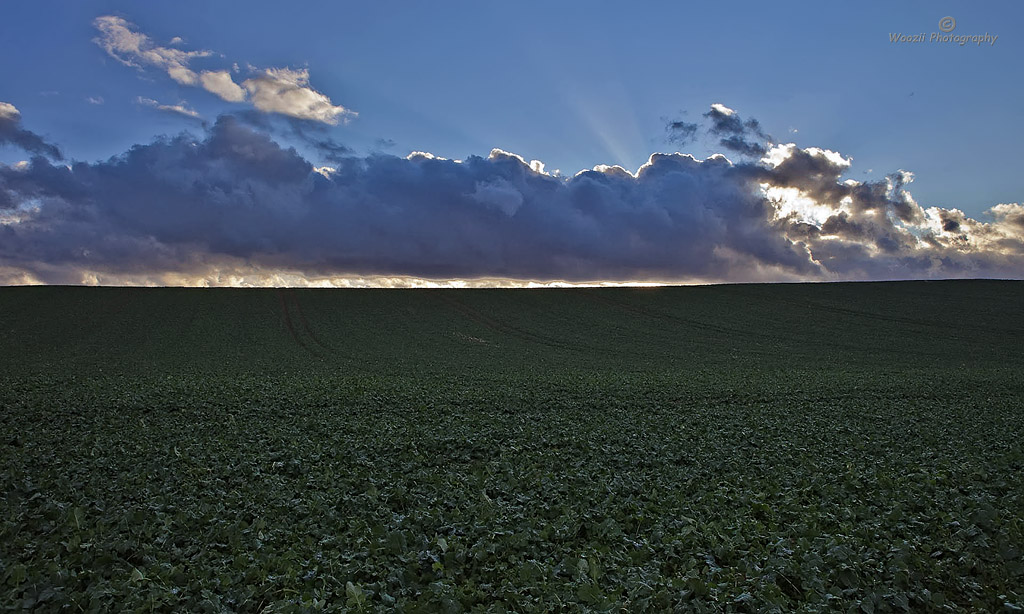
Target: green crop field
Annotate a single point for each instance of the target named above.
(748, 448)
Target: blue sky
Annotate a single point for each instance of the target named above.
(571, 84)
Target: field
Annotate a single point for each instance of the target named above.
(747, 448)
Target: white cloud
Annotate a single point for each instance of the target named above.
(325, 171)
(612, 169)
(9, 111)
(834, 157)
(721, 108)
(792, 202)
(94, 99)
(287, 91)
(220, 83)
(181, 108)
(272, 90)
(119, 39)
(779, 154)
(1011, 217)
(426, 155)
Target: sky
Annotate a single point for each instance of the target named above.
(484, 143)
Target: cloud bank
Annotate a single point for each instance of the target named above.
(231, 206)
(271, 90)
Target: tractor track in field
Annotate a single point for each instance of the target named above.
(513, 331)
(853, 315)
(290, 325)
(705, 326)
(659, 315)
(856, 313)
(301, 331)
(305, 323)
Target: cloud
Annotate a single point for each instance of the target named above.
(315, 135)
(232, 206)
(219, 82)
(94, 99)
(271, 90)
(11, 132)
(745, 138)
(181, 108)
(312, 133)
(286, 91)
(331, 150)
(680, 132)
(499, 194)
(737, 134)
(123, 42)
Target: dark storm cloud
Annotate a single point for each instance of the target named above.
(11, 132)
(949, 224)
(331, 150)
(237, 193)
(743, 147)
(236, 200)
(313, 134)
(813, 172)
(262, 121)
(743, 137)
(726, 121)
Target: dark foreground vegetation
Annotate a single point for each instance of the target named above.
(784, 448)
